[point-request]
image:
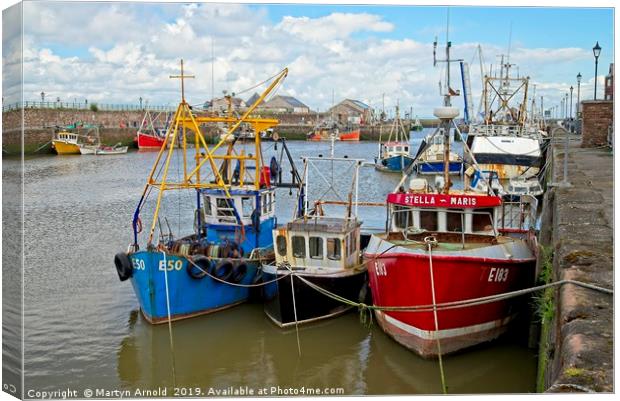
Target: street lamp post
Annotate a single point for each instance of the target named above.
(597, 52)
(42, 96)
(571, 102)
(140, 102)
(578, 91)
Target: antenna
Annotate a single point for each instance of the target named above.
(182, 77)
(509, 43)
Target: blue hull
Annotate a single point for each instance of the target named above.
(188, 296)
(437, 168)
(394, 164)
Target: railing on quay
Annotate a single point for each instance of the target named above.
(86, 106)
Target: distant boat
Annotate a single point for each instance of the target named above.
(416, 125)
(69, 140)
(430, 157)
(111, 150)
(324, 133)
(150, 137)
(394, 154)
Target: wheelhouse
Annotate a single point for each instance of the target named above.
(318, 243)
(242, 207)
(390, 149)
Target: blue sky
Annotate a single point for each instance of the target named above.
(385, 49)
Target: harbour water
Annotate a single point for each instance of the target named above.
(83, 329)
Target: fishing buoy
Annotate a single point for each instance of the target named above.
(123, 266)
(274, 168)
(198, 267)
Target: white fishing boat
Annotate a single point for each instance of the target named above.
(111, 150)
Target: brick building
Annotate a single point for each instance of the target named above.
(597, 120)
(351, 111)
(609, 83)
(284, 104)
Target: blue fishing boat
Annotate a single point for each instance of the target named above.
(394, 154)
(217, 263)
(431, 155)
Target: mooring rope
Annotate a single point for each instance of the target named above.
(235, 284)
(431, 241)
(174, 376)
(295, 314)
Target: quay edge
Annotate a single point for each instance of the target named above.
(576, 345)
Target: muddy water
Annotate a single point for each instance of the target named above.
(83, 329)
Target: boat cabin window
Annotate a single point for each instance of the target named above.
(299, 246)
(208, 210)
(247, 205)
(316, 247)
(333, 249)
(455, 220)
(225, 207)
(428, 220)
(482, 220)
(281, 245)
(402, 216)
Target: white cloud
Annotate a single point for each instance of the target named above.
(133, 55)
(333, 26)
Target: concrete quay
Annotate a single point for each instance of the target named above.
(578, 344)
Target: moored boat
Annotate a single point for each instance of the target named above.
(394, 154)
(430, 157)
(152, 132)
(316, 254)
(111, 150)
(70, 139)
(180, 276)
(444, 246)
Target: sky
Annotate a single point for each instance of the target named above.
(118, 52)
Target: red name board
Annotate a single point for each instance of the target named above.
(444, 201)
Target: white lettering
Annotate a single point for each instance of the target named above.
(498, 275)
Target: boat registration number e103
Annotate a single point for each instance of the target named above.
(498, 275)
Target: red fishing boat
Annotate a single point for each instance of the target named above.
(151, 135)
(444, 245)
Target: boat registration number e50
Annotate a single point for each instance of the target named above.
(498, 275)
(170, 265)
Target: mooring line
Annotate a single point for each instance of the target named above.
(174, 376)
(295, 313)
(234, 284)
(431, 241)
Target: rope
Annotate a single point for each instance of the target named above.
(570, 386)
(174, 376)
(295, 313)
(431, 241)
(233, 284)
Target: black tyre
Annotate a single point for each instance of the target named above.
(123, 266)
(199, 268)
(223, 270)
(239, 272)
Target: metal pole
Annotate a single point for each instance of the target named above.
(565, 180)
(595, 75)
(571, 102)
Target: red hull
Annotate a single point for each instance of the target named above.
(403, 279)
(149, 141)
(350, 136)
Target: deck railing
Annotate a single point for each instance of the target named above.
(86, 106)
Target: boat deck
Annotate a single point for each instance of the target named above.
(445, 241)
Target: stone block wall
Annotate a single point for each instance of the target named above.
(598, 116)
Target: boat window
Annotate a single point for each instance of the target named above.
(481, 221)
(402, 217)
(299, 246)
(333, 248)
(406, 148)
(316, 247)
(455, 220)
(225, 207)
(281, 245)
(264, 201)
(208, 210)
(247, 205)
(428, 220)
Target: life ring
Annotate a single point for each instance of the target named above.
(238, 272)
(198, 267)
(123, 266)
(222, 270)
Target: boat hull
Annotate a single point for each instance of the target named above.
(66, 148)
(188, 296)
(149, 141)
(350, 136)
(309, 305)
(400, 276)
(88, 150)
(437, 168)
(395, 164)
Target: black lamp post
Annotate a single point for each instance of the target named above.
(597, 52)
(578, 91)
(140, 102)
(571, 102)
(42, 96)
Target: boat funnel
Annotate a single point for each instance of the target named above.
(446, 113)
